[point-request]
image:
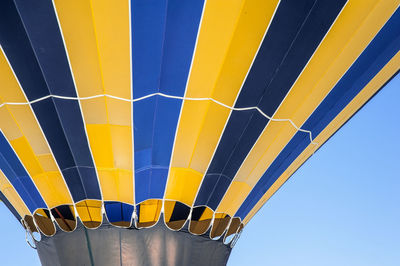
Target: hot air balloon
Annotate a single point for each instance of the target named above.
(144, 132)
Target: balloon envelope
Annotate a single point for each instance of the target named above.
(197, 110)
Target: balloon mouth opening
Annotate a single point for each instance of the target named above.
(177, 216)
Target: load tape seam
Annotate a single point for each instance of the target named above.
(170, 97)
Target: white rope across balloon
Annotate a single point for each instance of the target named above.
(170, 97)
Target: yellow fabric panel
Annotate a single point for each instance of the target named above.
(111, 147)
(236, 194)
(97, 37)
(126, 186)
(221, 58)
(76, 22)
(109, 183)
(26, 155)
(345, 41)
(111, 21)
(98, 42)
(12, 196)
(47, 162)
(121, 137)
(10, 91)
(52, 188)
(89, 210)
(119, 112)
(7, 124)
(149, 210)
(213, 42)
(183, 184)
(207, 214)
(50, 184)
(116, 184)
(168, 209)
(373, 86)
(30, 127)
(94, 110)
(100, 143)
(95, 213)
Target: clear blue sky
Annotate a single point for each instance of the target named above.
(342, 207)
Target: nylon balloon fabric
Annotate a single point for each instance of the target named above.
(189, 113)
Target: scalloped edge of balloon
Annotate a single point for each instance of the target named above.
(224, 238)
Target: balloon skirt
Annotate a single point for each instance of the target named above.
(109, 245)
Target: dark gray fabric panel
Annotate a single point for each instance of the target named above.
(109, 245)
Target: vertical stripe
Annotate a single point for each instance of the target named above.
(99, 56)
(163, 39)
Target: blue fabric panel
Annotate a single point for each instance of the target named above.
(75, 183)
(148, 26)
(153, 144)
(118, 212)
(42, 28)
(18, 177)
(9, 206)
(165, 123)
(295, 32)
(70, 117)
(150, 183)
(19, 51)
(143, 118)
(89, 181)
(61, 122)
(182, 25)
(50, 123)
(379, 52)
(161, 63)
(180, 212)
